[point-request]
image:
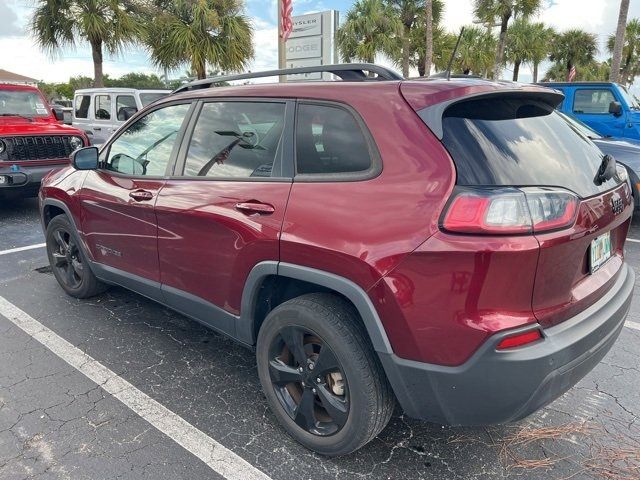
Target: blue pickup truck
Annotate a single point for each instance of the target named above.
(606, 107)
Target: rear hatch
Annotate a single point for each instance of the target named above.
(528, 173)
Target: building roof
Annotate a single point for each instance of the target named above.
(10, 77)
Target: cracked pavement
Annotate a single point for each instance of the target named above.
(57, 424)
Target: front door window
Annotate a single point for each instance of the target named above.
(146, 146)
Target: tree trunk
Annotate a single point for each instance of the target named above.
(406, 42)
(625, 75)
(428, 59)
(200, 69)
(535, 72)
(502, 43)
(96, 53)
(619, 43)
(516, 70)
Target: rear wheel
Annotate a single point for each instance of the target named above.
(320, 375)
(68, 262)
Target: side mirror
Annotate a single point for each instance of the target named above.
(58, 113)
(615, 108)
(85, 158)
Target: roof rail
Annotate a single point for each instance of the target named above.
(352, 72)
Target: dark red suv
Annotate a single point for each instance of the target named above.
(454, 245)
(32, 141)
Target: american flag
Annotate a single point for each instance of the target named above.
(286, 26)
(572, 74)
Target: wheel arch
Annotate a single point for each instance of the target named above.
(264, 279)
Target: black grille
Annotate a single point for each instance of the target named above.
(35, 148)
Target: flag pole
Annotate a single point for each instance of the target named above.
(281, 44)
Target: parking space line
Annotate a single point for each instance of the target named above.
(22, 249)
(220, 459)
(632, 240)
(630, 324)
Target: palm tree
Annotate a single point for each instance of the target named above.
(443, 45)
(574, 48)
(519, 43)
(370, 28)
(408, 13)
(418, 47)
(199, 33)
(476, 51)
(541, 36)
(619, 41)
(104, 24)
(630, 52)
(500, 12)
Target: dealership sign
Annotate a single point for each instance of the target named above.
(312, 43)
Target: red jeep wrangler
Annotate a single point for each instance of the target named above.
(454, 245)
(32, 141)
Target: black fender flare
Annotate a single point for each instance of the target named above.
(352, 291)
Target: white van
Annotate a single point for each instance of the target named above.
(101, 111)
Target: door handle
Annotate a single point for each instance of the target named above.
(141, 195)
(97, 129)
(252, 207)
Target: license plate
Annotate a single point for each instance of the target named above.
(600, 251)
(4, 179)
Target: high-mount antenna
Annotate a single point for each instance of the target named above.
(453, 54)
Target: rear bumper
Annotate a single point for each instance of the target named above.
(26, 181)
(495, 387)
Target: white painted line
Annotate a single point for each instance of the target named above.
(22, 249)
(630, 324)
(632, 240)
(220, 459)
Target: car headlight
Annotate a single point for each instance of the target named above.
(622, 173)
(76, 143)
(3, 147)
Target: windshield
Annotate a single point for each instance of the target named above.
(580, 127)
(22, 103)
(149, 97)
(629, 99)
(519, 142)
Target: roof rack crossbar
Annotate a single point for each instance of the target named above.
(346, 71)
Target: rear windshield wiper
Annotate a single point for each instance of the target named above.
(16, 115)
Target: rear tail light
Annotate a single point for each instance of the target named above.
(519, 339)
(508, 211)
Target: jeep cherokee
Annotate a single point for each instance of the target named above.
(452, 245)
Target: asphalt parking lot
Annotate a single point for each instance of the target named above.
(120, 387)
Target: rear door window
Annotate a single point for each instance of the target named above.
(329, 141)
(235, 140)
(519, 142)
(102, 107)
(81, 106)
(593, 101)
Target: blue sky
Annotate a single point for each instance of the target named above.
(21, 55)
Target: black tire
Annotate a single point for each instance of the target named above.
(68, 261)
(331, 335)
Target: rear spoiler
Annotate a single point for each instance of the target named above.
(432, 115)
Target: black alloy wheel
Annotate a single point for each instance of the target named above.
(66, 259)
(309, 381)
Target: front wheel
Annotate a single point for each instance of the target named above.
(320, 375)
(68, 262)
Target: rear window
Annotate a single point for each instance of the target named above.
(519, 142)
